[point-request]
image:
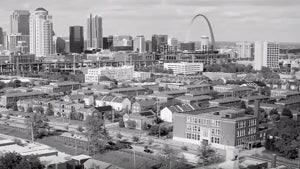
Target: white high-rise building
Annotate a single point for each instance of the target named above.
(139, 44)
(204, 43)
(41, 33)
(244, 49)
(94, 32)
(266, 54)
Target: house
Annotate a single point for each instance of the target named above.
(161, 97)
(226, 102)
(166, 113)
(10, 99)
(117, 103)
(89, 100)
(61, 108)
(76, 98)
(200, 100)
(143, 105)
(87, 112)
(287, 94)
(139, 118)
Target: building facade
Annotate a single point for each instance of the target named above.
(244, 49)
(139, 44)
(184, 68)
(19, 22)
(41, 33)
(266, 54)
(118, 73)
(94, 32)
(220, 127)
(158, 41)
(204, 40)
(76, 39)
(18, 43)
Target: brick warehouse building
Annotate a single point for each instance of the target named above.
(218, 126)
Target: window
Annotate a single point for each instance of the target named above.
(189, 127)
(205, 133)
(188, 135)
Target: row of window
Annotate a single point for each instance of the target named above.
(243, 124)
(202, 121)
(193, 136)
(215, 140)
(243, 132)
(245, 140)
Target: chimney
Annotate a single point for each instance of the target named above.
(257, 110)
(274, 161)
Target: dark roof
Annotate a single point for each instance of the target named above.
(146, 103)
(41, 9)
(104, 108)
(227, 100)
(198, 93)
(256, 97)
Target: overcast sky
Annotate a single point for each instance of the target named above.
(232, 20)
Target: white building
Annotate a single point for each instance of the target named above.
(184, 68)
(18, 43)
(141, 75)
(266, 54)
(116, 103)
(139, 44)
(41, 33)
(118, 73)
(204, 40)
(244, 49)
(122, 40)
(94, 32)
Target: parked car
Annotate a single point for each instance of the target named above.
(148, 151)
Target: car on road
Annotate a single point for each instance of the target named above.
(148, 151)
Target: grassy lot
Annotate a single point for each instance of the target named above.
(122, 158)
(125, 159)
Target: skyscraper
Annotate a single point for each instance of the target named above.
(19, 22)
(41, 33)
(204, 44)
(94, 32)
(244, 49)
(76, 39)
(1, 37)
(148, 46)
(266, 54)
(173, 43)
(18, 43)
(139, 44)
(158, 41)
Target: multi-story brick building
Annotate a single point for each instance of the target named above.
(221, 127)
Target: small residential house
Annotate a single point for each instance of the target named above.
(143, 105)
(89, 100)
(140, 118)
(166, 114)
(117, 103)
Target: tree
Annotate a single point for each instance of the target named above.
(37, 123)
(275, 117)
(16, 161)
(249, 111)
(121, 123)
(96, 133)
(287, 112)
(119, 136)
(15, 107)
(243, 105)
(206, 155)
(39, 110)
(131, 124)
(144, 126)
(273, 111)
(80, 129)
(150, 141)
(135, 139)
(29, 110)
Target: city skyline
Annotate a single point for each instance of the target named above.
(172, 17)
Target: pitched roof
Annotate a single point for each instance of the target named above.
(146, 103)
(183, 108)
(193, 98)
(110, 99)
(142, 115)
(227, 100)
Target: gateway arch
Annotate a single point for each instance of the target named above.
(210, 29)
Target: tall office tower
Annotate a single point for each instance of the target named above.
(139, 44)
(244, 49)
(148, 46)
(158, 41)
(41, 33)
(204, 44)
(266, 54)
(105, 42)
(94, 32)
(1, 37)
(60, 45)
(76, 39)
(19, 22)
(173, 43)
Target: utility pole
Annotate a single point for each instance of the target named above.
(32, 137)
(133, 156)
